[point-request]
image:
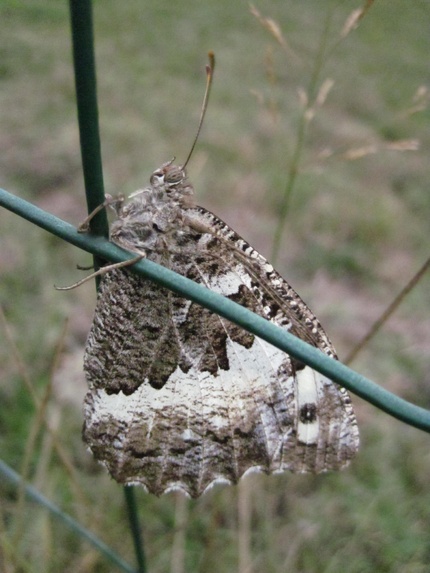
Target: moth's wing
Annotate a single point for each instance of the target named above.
(180, 398)
(141, 408)
(324, 435)
(282, 304)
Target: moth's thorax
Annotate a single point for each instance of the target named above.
(154, 211)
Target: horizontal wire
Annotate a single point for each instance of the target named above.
(333, 369)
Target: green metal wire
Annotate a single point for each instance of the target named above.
(81, 20)
(32, 493)
(86, 100)
(130, 500)
(333, 369)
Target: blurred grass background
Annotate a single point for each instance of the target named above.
(355, 233)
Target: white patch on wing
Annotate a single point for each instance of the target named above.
(260, 399)
(307, 395)
(228, 283)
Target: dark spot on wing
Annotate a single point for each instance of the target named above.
(308, 413)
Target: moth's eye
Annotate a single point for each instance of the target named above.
(174, 177)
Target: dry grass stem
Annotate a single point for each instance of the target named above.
(353, 20)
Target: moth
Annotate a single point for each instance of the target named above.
(180, 398)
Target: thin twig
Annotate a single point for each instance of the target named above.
(392, 307)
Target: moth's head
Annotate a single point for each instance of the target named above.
(173, 181)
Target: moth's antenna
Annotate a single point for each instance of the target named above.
(209, 75)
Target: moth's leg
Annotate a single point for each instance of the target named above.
(103, 271)
(115, 202)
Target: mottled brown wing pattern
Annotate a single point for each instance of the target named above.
(180, 398)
